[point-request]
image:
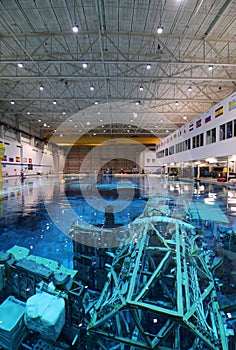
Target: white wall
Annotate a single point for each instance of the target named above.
(21, 156)
(219, 148)
(149, 163)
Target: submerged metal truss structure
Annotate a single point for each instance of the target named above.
(160, 293)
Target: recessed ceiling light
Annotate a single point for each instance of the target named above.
(84, 65)
(92, 88)
(45, 124)
(127, 130)
(88, 123)
(137, 103)
(99, 112)
(100, 120)
(76, 126)
(177, 103)
(141, 88)
(167, 130)
(96, 102)
(61, 135)
(190, 88)
(41, 87)
(20, 65)
(148, 66)
(12, 102)
(160, 29)
(210, 67)
(28, 113)
(185, 118)
(104, 130)
(63, 112)
(161, 120)
(75, 28)
(94, 134)
(54, 102)
(39, 120)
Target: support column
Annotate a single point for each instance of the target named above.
(2, 150)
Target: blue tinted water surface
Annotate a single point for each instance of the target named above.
(36, 213)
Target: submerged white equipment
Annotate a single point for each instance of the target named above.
(45, 313)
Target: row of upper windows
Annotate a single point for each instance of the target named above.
(226, 131)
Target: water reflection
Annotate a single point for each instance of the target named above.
(25, 208)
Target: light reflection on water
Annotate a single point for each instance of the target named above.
(24, 219)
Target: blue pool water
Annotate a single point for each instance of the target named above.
(39, 212)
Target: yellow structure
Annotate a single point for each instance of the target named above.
(2, 150)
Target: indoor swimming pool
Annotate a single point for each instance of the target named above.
(181, 248)
(38, 212)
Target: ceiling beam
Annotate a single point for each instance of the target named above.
(121, 78)
(160, 61)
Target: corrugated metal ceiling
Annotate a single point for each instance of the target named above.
(117, 39)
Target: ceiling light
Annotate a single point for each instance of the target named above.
(160, 29)
(76, 126)
(12, 102)
(45, 124)
(137, 103)
(88, 123)
(96, 102)
(39, 120)
(61, 135)
(84, 65)
(28, 113)
(161, 120)
(54, 102)
(185, 118)
(20, 65)
(177, 103)
(63, 112)
(167, 130)
(41, 87)
(210, 67)
(148, 66)
(92, 88)
(75, 28)
(141, 88)
(190, 88)
(94, 134)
